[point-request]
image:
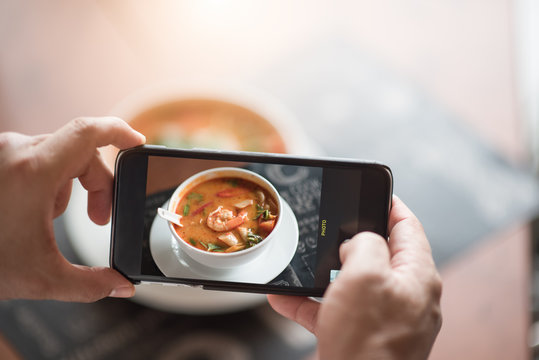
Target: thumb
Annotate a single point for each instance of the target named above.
(300, 309)
(365, 252)
(88, 284)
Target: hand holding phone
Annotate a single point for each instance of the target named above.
(386, 301)
(248, 222)
(36, 174)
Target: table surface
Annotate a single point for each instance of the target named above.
(41, 63)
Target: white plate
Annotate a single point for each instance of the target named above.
(92, 244)
(174, 263)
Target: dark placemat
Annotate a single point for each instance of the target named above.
(120, 329)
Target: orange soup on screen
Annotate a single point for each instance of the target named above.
(226, 215)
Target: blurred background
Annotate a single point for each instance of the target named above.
(444, 92)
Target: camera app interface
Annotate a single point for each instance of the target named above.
(256, 223)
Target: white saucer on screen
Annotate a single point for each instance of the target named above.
(172, 262)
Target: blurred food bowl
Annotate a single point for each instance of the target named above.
(201, 114)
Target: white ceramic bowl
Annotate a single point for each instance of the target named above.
(217, 259)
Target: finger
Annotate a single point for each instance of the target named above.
(99, 206)
(71, 147)
(12, 141)
(365, 252)
(408, 243)
(87, 284)
(399, 212)
(300, 309)
(39, 138)
(62, 198)
(97, 180)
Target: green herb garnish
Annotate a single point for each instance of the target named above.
(186, 209)
(253, 239)
(232, 182)
(195, 196)
(261, 212)
(203, 244)
(193, 241)
(213, 247)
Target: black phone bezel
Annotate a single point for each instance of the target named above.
(134, 171)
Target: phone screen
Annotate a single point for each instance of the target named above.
(264, 224)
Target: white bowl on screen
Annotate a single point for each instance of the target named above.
(216, 259)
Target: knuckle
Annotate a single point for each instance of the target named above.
(436, 316)
(82, 126)
(431, 315)
(369, 279)
(91, 295)
(416, 224)
(428, 305)
(7, 139)
(436, 285)
(94, 290)
(24, 165)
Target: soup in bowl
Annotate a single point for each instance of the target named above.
(208, 123)
(228, 216)
(202, 113)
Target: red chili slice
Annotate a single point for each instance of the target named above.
(231, 192)
(199, 210)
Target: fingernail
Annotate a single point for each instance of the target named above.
(122, 292)
(345, 241)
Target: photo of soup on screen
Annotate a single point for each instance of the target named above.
(241, 222)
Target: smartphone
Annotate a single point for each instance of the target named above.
(239, 221)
